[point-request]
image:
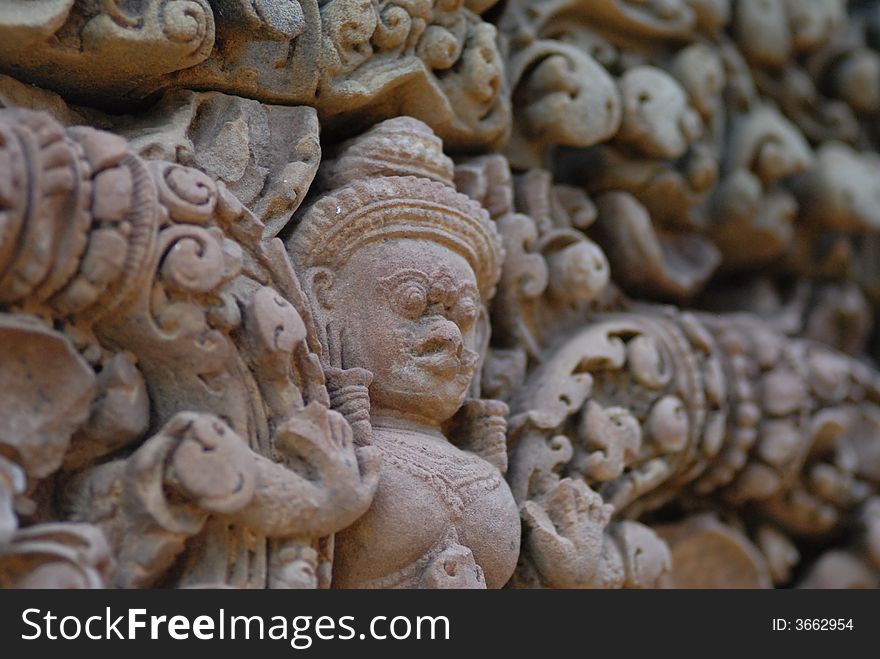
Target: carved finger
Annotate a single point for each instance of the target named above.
(340, 431)
(370, 464)
(536, 517)
(563, 505)
(494, 407)
(307, 436)
(550, 549)
(591, 504)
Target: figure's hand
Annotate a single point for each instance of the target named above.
(211, 464)
(566, 532)
(323, 440)
(349, 391)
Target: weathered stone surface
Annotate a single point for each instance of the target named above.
(373, 293)
(238, 445)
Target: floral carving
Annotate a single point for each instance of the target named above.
(240, 441)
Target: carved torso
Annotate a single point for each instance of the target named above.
(432, 499)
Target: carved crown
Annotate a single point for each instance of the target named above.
(395, 182)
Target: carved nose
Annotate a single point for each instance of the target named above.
(443, 336)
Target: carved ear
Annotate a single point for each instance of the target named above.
(320, 281)
(484, 333)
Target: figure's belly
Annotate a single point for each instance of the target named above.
(430, 497)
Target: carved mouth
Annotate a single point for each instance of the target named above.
(440, 363)
(437, 355)
(446, 365)
(432, 346)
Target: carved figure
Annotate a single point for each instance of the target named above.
(399, 266)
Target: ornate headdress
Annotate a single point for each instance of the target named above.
(394, 181)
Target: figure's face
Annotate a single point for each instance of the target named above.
(407, 310)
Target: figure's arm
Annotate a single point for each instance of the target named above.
(150, 503)
(339, 486)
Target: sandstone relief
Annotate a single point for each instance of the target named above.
(439, 293)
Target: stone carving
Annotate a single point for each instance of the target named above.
(236, 444)
(61, 44)
(399, 267)
(356, 61)
(266, 155)
(648, 407)
(255, 320)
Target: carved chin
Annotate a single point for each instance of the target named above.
(423, 392)
(447, 384)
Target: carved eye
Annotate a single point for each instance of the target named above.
(465, 313)
(412, 300)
